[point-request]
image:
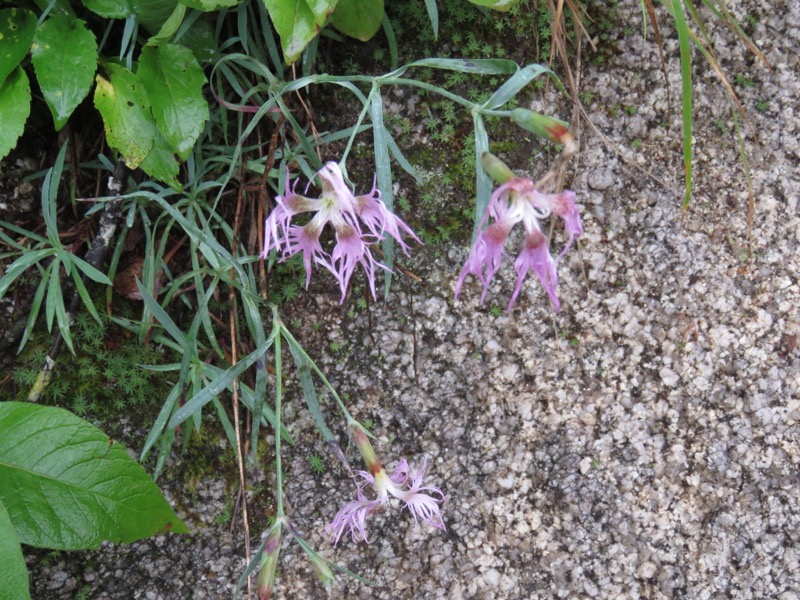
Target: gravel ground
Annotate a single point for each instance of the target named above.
(643, 443)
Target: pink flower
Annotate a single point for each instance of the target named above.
(358, 222)
(513, 202)
(406, 485)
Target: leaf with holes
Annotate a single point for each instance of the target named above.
(67, 486)
(174, 83)
(16, 33)
(122, 101)
(64, 56)
(161, 163)
(15, 106)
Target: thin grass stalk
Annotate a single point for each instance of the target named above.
(686, 89)
(235, 386)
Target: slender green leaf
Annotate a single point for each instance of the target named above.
(391, 39)
(309, 391)
(686, 88)
(90, 271)
(17, 27)
(61, 317)
(54, 297)
(401, 159)
(360, 19)
(174, 83)
(67, 486)
(433, 15)
(36, 306)
(483, 184)
(161, 315)
(110, 9)
(15, 106)
(50, 203)
(498, 5)
(13, 570)
(64, 57)
(383, 168)
(19, 266)
(23, 232)
(169, 27)
(122, 101)
(84, 294)
(514, 84)
(479, 66)
(214, 388)
(161, 421)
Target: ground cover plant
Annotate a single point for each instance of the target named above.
(211, 101)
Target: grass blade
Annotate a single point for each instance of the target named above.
(686, 88)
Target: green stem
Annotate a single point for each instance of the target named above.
(278, 394)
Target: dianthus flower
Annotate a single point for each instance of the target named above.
(404, 484)
(513, 202)
(358, 222)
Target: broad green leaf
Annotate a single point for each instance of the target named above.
(170, 26)
(295, 23)
(13, 570)
(67, 486)
(16, 34)
(199, 38)
(209, 5)
(152, 13)
(122, 101)
(360, 19)
(64, 56)
(498, 5)
(174, 83)
(110, 9)
(322, 9)
(55, 7)
(15, 106)
(161, 163)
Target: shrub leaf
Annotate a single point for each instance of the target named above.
(67, 486)
(64, 56)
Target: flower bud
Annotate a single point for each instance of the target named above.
(320, 567)
(361, 440)
(543, 126)
(496, 168)
(269, 562)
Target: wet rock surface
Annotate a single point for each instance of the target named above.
(642, 443)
